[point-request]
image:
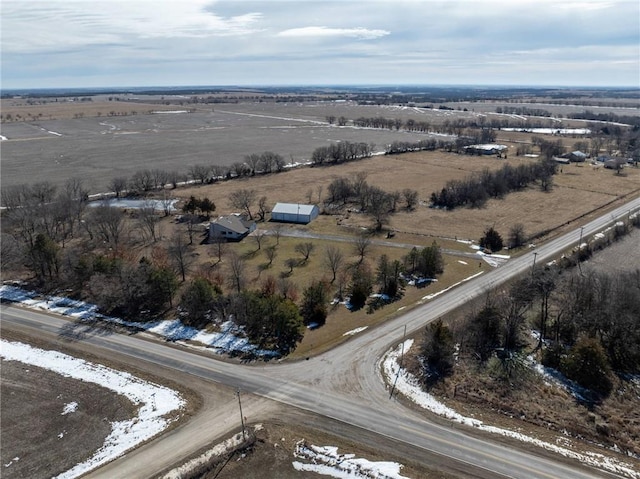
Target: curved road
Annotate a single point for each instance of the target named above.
(344, 383)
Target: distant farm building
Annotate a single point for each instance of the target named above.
(294, 213)
(577, 156)
(485, 149)
(230, 228)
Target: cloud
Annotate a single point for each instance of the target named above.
(327, 32)
(188, 42)
(58, 26)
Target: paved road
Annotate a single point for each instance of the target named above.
(344, 383)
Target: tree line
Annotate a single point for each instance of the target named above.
(475, 190)
(585, 322)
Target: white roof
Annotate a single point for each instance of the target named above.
(488, 146)
(293, 208)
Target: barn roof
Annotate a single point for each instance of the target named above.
(293, 208)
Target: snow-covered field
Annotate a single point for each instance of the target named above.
(158, 405)
(408, 385)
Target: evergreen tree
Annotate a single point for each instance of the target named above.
(314, 303)
(491, 240)
(438, 351)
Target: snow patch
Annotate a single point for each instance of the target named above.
(326, 461)
(552, 131)
(229, 337)
(408, 385)
(355, 331)
(154, 401)
(433, 295)
(69, 408)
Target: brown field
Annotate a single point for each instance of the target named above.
(101, 139)
(579, 190)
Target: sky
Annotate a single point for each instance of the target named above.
(116, 43)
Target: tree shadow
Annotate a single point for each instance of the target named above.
(86, 328)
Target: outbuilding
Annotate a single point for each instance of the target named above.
(294, 213)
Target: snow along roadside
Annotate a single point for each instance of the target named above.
(408, 385)
(156, 402)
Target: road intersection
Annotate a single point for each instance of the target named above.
(345, 383)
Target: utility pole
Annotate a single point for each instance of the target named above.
(393, 388)
(241, 416)
(533, 267)
(580, 250)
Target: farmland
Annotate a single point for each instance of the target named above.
(98, 148)
(98, 140)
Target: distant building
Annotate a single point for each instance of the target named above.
(294, 213)
(230, 228)
(615, 163)
(485, 149)
(577, 156)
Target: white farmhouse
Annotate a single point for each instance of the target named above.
(294, 213)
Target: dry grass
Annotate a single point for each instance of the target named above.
(579, 190)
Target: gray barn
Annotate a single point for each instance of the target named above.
(294, 213)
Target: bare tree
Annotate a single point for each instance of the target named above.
(43, 192)
(219, 244)
(271, 253)
(179, 252)
(167, 201)
(262, 208)
(287, 289)
(237, 271)
(291, 263)
(378, 206)
(517, 236)
(305, 249)
(277, 233)
(259, 236)
(410, 198)
(394, 197)
(142, 181)
(160, 178)
(243, 200)
(239, 169)
(108, 224)
(199, 173)
(191, 221)
(253, 161)
(218, 172)
(118, 185)
(362, 244)
(174, 178)
(148, 221)
(333, 260)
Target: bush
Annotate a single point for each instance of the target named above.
(587, 364)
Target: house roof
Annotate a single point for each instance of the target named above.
(293, 208)
(233, 223)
